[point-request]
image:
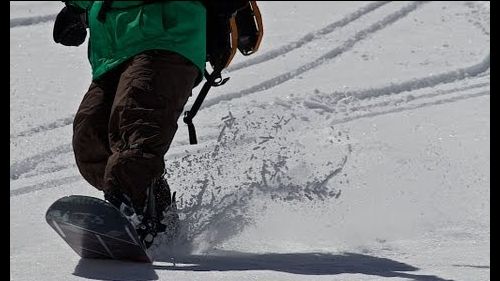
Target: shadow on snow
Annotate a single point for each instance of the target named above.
(294, 263)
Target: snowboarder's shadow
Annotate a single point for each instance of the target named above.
(99, 269)
(297, 263)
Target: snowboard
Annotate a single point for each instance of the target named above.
(95, 229)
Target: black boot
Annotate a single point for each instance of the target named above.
(166, 207)
(162, 197)
(144, 220)
(171, 220)
(160, 213)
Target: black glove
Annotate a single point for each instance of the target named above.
(70, 26)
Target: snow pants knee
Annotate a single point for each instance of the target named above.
(127, 120)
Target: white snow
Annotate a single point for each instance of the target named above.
(353, 146)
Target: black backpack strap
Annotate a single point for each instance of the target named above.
(213, 79)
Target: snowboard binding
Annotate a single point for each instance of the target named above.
(159, 214)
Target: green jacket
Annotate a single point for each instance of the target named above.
(132, 27)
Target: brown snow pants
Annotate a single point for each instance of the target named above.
(127, 120)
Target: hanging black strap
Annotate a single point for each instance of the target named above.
(213, 79)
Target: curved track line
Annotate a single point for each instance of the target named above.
(399, 102)
(31, 20)
(59, 123)
(425, 82)
(44, 185)
(330, 105)
(347, 45)
(399, 109)
(28, 164)
(309, 37)
(439, 93)
(475, 70)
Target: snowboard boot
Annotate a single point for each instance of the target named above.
(171, 220)
(167, 210)
(160, 213)
(143, 222)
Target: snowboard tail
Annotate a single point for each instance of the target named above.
(95, 229)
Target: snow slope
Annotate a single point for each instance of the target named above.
(353, 146)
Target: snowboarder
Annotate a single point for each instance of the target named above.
(146, 57)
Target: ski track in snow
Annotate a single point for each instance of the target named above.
(398, 102)
(46, 127)
(308, 38)
(424, 82)
(329, 101)
(24, 166)
(410, 107)
(44, 185)
(25, 21)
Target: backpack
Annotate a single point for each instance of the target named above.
(231, 25)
